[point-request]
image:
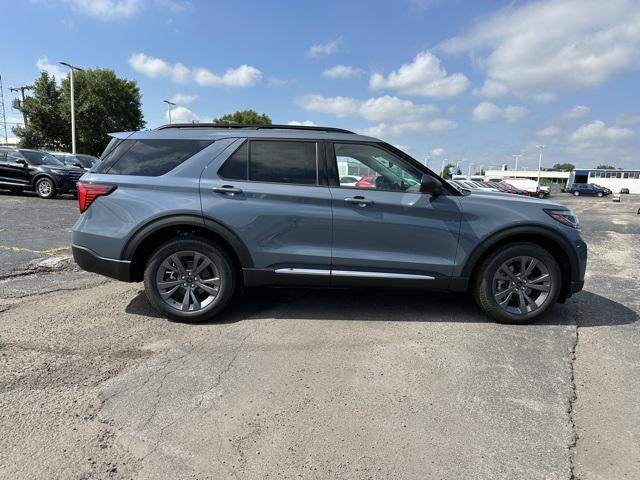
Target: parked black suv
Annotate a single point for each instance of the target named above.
(24, 169)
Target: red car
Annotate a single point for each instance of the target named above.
(368, 181)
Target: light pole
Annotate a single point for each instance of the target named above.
(442, 169)
(426, 160)
(169, 105)
(517, 157)
(539, 147)
(73, 112)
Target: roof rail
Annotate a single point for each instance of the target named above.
(252, 127)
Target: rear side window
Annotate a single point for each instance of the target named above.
(283, 162)
(149, 158)
(273, 161)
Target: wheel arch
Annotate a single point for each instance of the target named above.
(147, 238)
(551, 241)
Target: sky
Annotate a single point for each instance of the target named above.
(458, 81)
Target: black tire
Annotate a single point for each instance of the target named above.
(223, 268)
(541, 195)
(45, 188)
(484, 282)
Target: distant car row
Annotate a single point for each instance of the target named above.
(47, 173)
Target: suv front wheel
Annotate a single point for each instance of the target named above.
(189, 279)
(45, 188)
(518, 283)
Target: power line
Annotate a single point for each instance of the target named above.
(22, 89)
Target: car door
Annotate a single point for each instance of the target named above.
(391, 231)
(12, 170)
(271, 195)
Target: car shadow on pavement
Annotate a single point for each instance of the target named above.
(585, 309)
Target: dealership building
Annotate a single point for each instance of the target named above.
(612, 179)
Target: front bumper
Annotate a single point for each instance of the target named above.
(90, 261)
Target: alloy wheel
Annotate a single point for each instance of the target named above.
(521, 285)
(188, 281)
(45, 188)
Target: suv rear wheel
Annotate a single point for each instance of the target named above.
(517, 283)
(189, 279)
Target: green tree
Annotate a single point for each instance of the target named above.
(564, 167)
(104, 103)
(244, 117)
(45, 127)
(606, 167)
(446, 174)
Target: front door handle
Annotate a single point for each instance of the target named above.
(359, 200)
(227, 190)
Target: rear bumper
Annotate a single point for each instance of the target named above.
(90, 261)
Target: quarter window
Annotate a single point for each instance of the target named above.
(149, 158)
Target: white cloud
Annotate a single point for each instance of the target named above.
(424, 76)
(597, 132)
(377, 109)
(321, 49)
(627, 119)
(279, 82)
(181, 115)
(339, 106)
(107, 9)
(550, 131)
(437, 152)
(342, 71)
(402, 128)
(542, 48)
(576, 112)
(305, 123)
(182, 98)
(55, 69)
(243, 76)
(487, 111)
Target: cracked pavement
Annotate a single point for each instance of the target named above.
(298, 383)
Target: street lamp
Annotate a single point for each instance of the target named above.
(73, 112)
(539, 147)
(169, 105)
(517, 157)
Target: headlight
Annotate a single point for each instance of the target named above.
(565, 217)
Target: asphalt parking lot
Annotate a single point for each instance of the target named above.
(298, 383)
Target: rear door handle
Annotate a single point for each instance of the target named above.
(227, 190)
(358, 200)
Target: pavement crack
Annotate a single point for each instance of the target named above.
(570, 408)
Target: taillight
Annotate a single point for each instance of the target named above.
(88, 192)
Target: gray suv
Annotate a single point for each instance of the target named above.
(200, 211)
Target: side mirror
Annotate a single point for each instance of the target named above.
(78, 164)
(21, 162)
(429, 184)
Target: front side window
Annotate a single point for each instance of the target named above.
(377, 168)
(148, 158)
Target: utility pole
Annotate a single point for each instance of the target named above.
(22, 89)
(442, 169)
(169, 105)
(539, 147)
(4, 116)
(517, 157)
(73, 112)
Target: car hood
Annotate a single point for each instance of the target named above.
(515, 199)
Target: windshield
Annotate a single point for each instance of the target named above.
(41, 158)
